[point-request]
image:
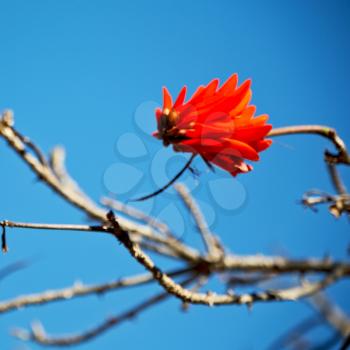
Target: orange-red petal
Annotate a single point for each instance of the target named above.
(181, 98)
(218, 123)
(167, 100)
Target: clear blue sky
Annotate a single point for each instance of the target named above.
(87, 74)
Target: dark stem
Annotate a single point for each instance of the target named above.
(162, 189)
(3, 240)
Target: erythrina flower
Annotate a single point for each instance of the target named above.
(216, 123)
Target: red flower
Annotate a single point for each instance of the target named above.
(217, 123)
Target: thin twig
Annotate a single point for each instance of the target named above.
(59, 227)
(137, 214)
(338, 204)
(172, 181)
(81, 200)
(336, 180)
(80, 290)
(212, 243)
(38, 334)
(9, 120)
(248, 263)
(58, 166)
(171, 245)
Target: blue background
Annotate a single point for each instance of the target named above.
(76, 73)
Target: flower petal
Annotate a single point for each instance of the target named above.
(158, 114)
(217, 123)
(252, 133)
(234, 165)
(222, 146)
(181, 98)
(229, 85)
(167, 100)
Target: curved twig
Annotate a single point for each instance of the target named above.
(172, 181)
(322, 130)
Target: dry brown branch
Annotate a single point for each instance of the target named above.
(80, 199)
(246, 263)
(58, 166)
(341, 157)
(155, 237)
(210, 298)
(339, 203)
(336, 180)
(137, 214)
(214, 248)
(80, 290)
(38, 334)
(200, 283)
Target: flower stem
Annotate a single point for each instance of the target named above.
(173, 180)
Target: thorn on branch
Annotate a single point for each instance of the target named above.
(4, 246)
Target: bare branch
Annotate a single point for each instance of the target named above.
(210, 298)
(58, 166)
(336, 180)
(341, 203)
(156, 237)
(168, 246)
(248, 263)
(276, 264)
(80, 199)
(59, 227)
(38, 334)
(80, 290)
(338, 204)
(325, 131)
(137, 214)
(212, 243)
